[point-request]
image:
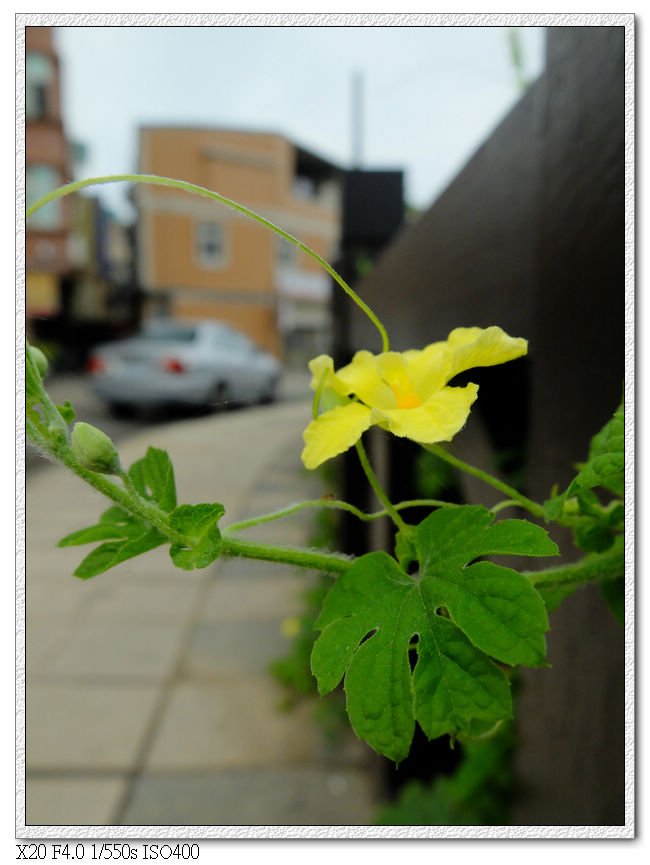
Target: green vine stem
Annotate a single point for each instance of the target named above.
(332, 563)
(51, 426)
(134, 504)
(335, 504)
(501, 506)
(48, 430)
(597, 567)
(512, 494)
(156, 180)
(373, 480)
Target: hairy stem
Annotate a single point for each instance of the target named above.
(328, 562)
(593, 568)
(377, 487)
(501, 506)
(334, 504)
(147, 511)
(513, 494)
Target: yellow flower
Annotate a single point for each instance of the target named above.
(405, 393)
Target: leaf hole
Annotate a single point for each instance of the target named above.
(413, 651)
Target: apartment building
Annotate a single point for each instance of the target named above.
(46, 167)
(199, 259)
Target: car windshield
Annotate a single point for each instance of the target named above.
(160, 331)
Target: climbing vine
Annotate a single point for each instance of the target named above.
(428, 632)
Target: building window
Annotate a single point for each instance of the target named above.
(286, 253)
(304, 188)
(210, 244)
(39, 73)
(39, 180)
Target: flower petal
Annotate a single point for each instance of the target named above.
(329, 391)
(323, 367)
(362, 378)
(318, 367)
(393, 369)
(437, 420)
(472, 346)
(334, 432)
(429, 369)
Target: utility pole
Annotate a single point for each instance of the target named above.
(517, 57)
(357, 118)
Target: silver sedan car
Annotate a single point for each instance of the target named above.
(204, 364)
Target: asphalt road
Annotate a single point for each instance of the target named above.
(76, 388)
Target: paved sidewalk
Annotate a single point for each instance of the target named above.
(148, 697)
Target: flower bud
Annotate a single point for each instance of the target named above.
(39, 359)
(94, 449)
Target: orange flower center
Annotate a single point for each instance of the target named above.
(408, 399)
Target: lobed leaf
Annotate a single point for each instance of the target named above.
(457, 685)
(199, 523)
(153, 477)
(457, 617)
(497, 608)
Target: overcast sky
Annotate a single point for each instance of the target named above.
(430, 93)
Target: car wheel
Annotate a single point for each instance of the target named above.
(121, 410)
(219, 398)
(269, 394)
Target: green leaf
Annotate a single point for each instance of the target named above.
(99, 532)
(497, 608)
(32, 414)
(124, 535)
(113, 524)
(405, 551)
(554, 507)
(455, 684)
(113, 553)
(595, 527)
(613, 591)
(461, 616)
(554, 594)
(67, 411)
(604, 468)
(199, 524)
(116, 515)
(368, 622)
(153, 478)
(592, 536)
(606, 463)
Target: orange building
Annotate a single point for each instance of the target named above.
(46, 167)
(199, 259)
